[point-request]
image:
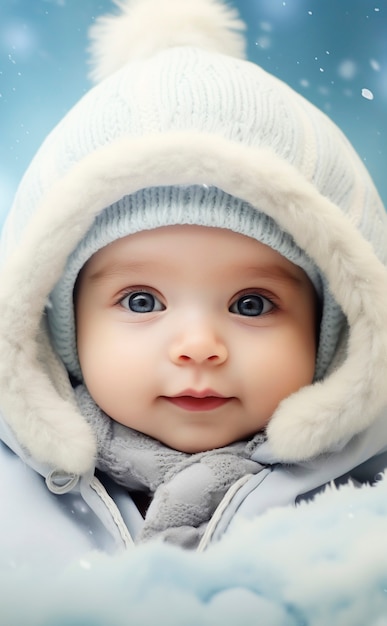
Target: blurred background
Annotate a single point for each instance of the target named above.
(334, 52)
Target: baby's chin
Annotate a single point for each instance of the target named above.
(193, 446)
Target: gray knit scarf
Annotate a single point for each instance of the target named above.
(186, 488)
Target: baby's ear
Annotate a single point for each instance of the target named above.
(145, 27)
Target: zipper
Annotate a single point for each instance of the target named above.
(113, 510)
(219, 511)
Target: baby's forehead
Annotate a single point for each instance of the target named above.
(175, 248)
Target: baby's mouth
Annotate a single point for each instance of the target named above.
(191, 400)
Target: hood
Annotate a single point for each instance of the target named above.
(180, 107)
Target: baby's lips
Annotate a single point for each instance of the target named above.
(192, 400)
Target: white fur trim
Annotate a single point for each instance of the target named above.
(311, 421)
(145, 27)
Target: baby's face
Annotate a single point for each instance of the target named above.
(194, 335)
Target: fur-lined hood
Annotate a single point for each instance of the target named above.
(182, 108)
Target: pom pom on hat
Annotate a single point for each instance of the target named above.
(146, 26)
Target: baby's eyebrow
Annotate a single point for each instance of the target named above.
(277, 273)
(273, 272)
(112, 270)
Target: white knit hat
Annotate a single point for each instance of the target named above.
(182, 116)
(182, 88)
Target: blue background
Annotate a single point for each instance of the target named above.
(334, 52)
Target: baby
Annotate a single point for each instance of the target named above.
(193, 286)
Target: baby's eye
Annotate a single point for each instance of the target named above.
(251, 305)
(141, 302)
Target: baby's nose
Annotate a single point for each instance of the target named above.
(200, 345)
